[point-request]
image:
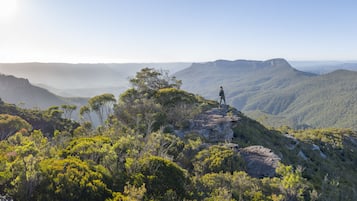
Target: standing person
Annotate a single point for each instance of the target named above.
(221, 94)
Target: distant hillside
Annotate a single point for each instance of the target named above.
(19, 91)
(246, 82)
(281, 94)
(323, 67)
(84, 80)
(326, 101)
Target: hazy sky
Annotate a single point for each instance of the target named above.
(176, 30)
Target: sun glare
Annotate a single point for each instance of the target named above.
(7, 9)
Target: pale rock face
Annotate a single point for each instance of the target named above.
(215, 125)
(260, 161)
(302, 155)
(317, 148)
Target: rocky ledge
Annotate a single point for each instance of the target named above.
(215, 124)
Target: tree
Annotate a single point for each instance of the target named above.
(139, 108)
(84, 112)
(88, 148)
(164, 145)
(10, 124)
(102, 105)
(53, 113)
(236, 186)
(141, 115)
(178, 105)
(131, 193)
(68, 110)
(22, 167)
(149, 80)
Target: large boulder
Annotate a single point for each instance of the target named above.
(260, 161)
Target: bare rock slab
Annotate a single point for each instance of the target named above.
(260, 161)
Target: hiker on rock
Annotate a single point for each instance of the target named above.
(221, 94)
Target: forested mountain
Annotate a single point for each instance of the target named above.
(84, 80)
(163, 143)
(278, 94)
(21, 92)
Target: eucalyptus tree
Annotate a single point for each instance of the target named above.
(68, 110)
(102, 105)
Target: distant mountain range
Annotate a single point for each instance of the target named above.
(276, 93)
(84, 80)
(19, 91)
(271, 91)
(323, 67)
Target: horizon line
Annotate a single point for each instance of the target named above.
(163, 62)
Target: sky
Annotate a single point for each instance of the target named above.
(121, 31)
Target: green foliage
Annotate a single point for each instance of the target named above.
(336, 172)
(94, 148)
(250, 132)
(131, 157)
(171, 96)
(102, 105)
(193, 143)
(155, 101)
(234, 186)
(71, 179)
(45, 120)
(161, 177)
(149, 80)
(22, 154)
(292, 182)
(328, 136)
(178, 106)
(143, 115)
(84, 112)
(10, 124)
(131, 193)
(163, 145)
(217, 158)
(68, 110)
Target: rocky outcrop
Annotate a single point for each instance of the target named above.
(215, 125)
(294, 143)
(260, 161)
